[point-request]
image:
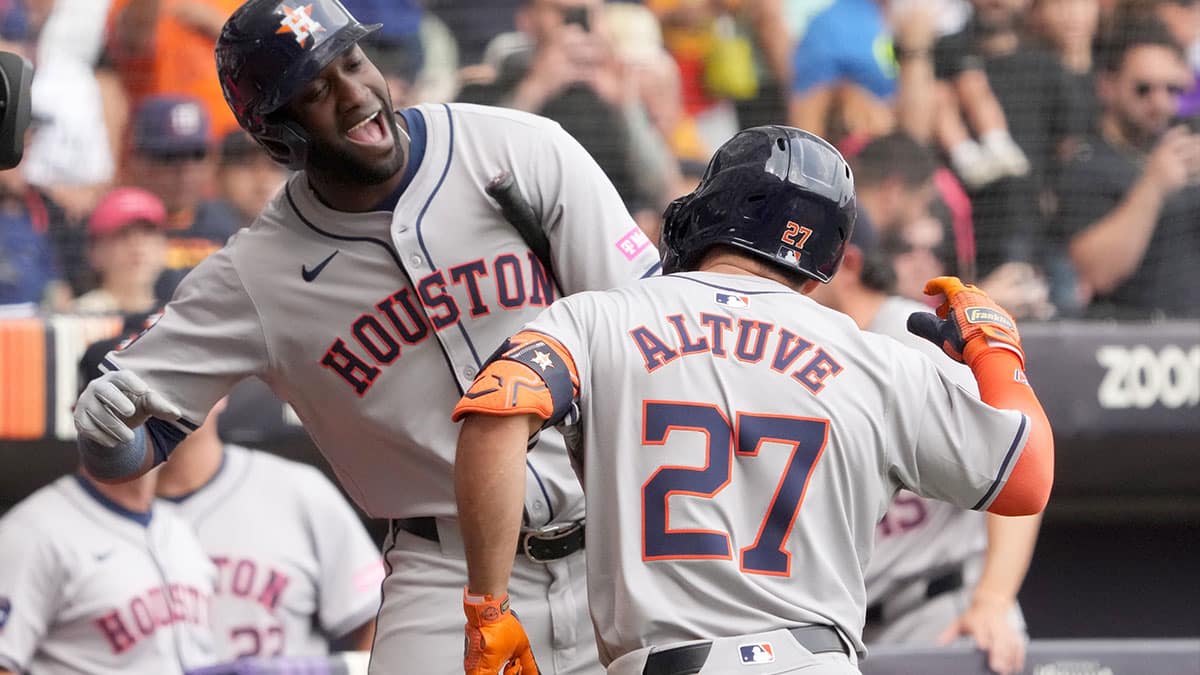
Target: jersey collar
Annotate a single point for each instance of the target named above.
(416, 152)
(140, 517)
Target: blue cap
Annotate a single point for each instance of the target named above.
(171, 125)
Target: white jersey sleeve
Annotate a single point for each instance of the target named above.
(30, 591)
(208, 339)
(585, 219)
(941, 455)
(350, 568)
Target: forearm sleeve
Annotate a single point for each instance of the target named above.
(115, 464)
(1002, 384)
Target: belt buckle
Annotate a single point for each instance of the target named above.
(553, 533)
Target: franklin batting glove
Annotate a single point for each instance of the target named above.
(496, 641)
(968, 322)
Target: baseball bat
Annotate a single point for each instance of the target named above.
(520, 214)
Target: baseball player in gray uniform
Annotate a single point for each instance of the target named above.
(368, 295)
(295, 568)
(937, 570)
(738, 442)
(95, 579)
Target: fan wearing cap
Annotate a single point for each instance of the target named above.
(171, 156)
(127, 248)
(166, 46)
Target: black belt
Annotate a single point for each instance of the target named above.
(943, 583)
(690, 659)
(540, 547)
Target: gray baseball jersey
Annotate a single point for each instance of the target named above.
(294, 565)
(373, 324)
(88, 587)
(739, 444)
(917, 537)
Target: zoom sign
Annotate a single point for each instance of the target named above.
(1141, 377)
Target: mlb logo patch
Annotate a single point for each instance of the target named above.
(733, 300)
(5, 610)
(759, 652)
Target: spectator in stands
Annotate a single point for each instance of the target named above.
(1182, 18)
(128, 249)
(97, 579)
(1034, 93)
(852, 77)
(893, 181)
(170, 156)
(971, 127)
(1068, 28)
(31, 223)
(166, 47)
(563, 66)
(919, 251)
(1128, 202)
(72, 157)
(247, 178)
(691, 31)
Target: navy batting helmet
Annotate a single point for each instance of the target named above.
(778, 193)
(267, 51)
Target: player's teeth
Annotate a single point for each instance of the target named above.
(362, 123)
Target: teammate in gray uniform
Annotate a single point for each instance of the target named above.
(95, 580)
(295, 568)
(737, 441)
(368, 295)
(937, 570)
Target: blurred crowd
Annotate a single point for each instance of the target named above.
(1044, 149)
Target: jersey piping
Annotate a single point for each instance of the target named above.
(1012, 449)
(421, 235)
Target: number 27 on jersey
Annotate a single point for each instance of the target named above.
(767, 555)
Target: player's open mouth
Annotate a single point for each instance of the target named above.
(370, 131)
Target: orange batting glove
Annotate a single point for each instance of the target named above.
(496, 641)
(967, 324)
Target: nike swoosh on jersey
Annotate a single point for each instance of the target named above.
(309, 275)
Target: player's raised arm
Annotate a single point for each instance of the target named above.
(973, 329)
(162, 385)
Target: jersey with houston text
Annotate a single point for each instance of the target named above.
(295, 567)
(918, 537)
(739, 445)
(87, 587)
(371, 325)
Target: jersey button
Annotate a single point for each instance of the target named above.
(416, 260)
(469, 371)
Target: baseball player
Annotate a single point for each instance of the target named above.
(295, 568)
(97, 580)
(368, 295)
(937, 570)
(737, 442)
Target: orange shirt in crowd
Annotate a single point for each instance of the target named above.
(178, 60)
